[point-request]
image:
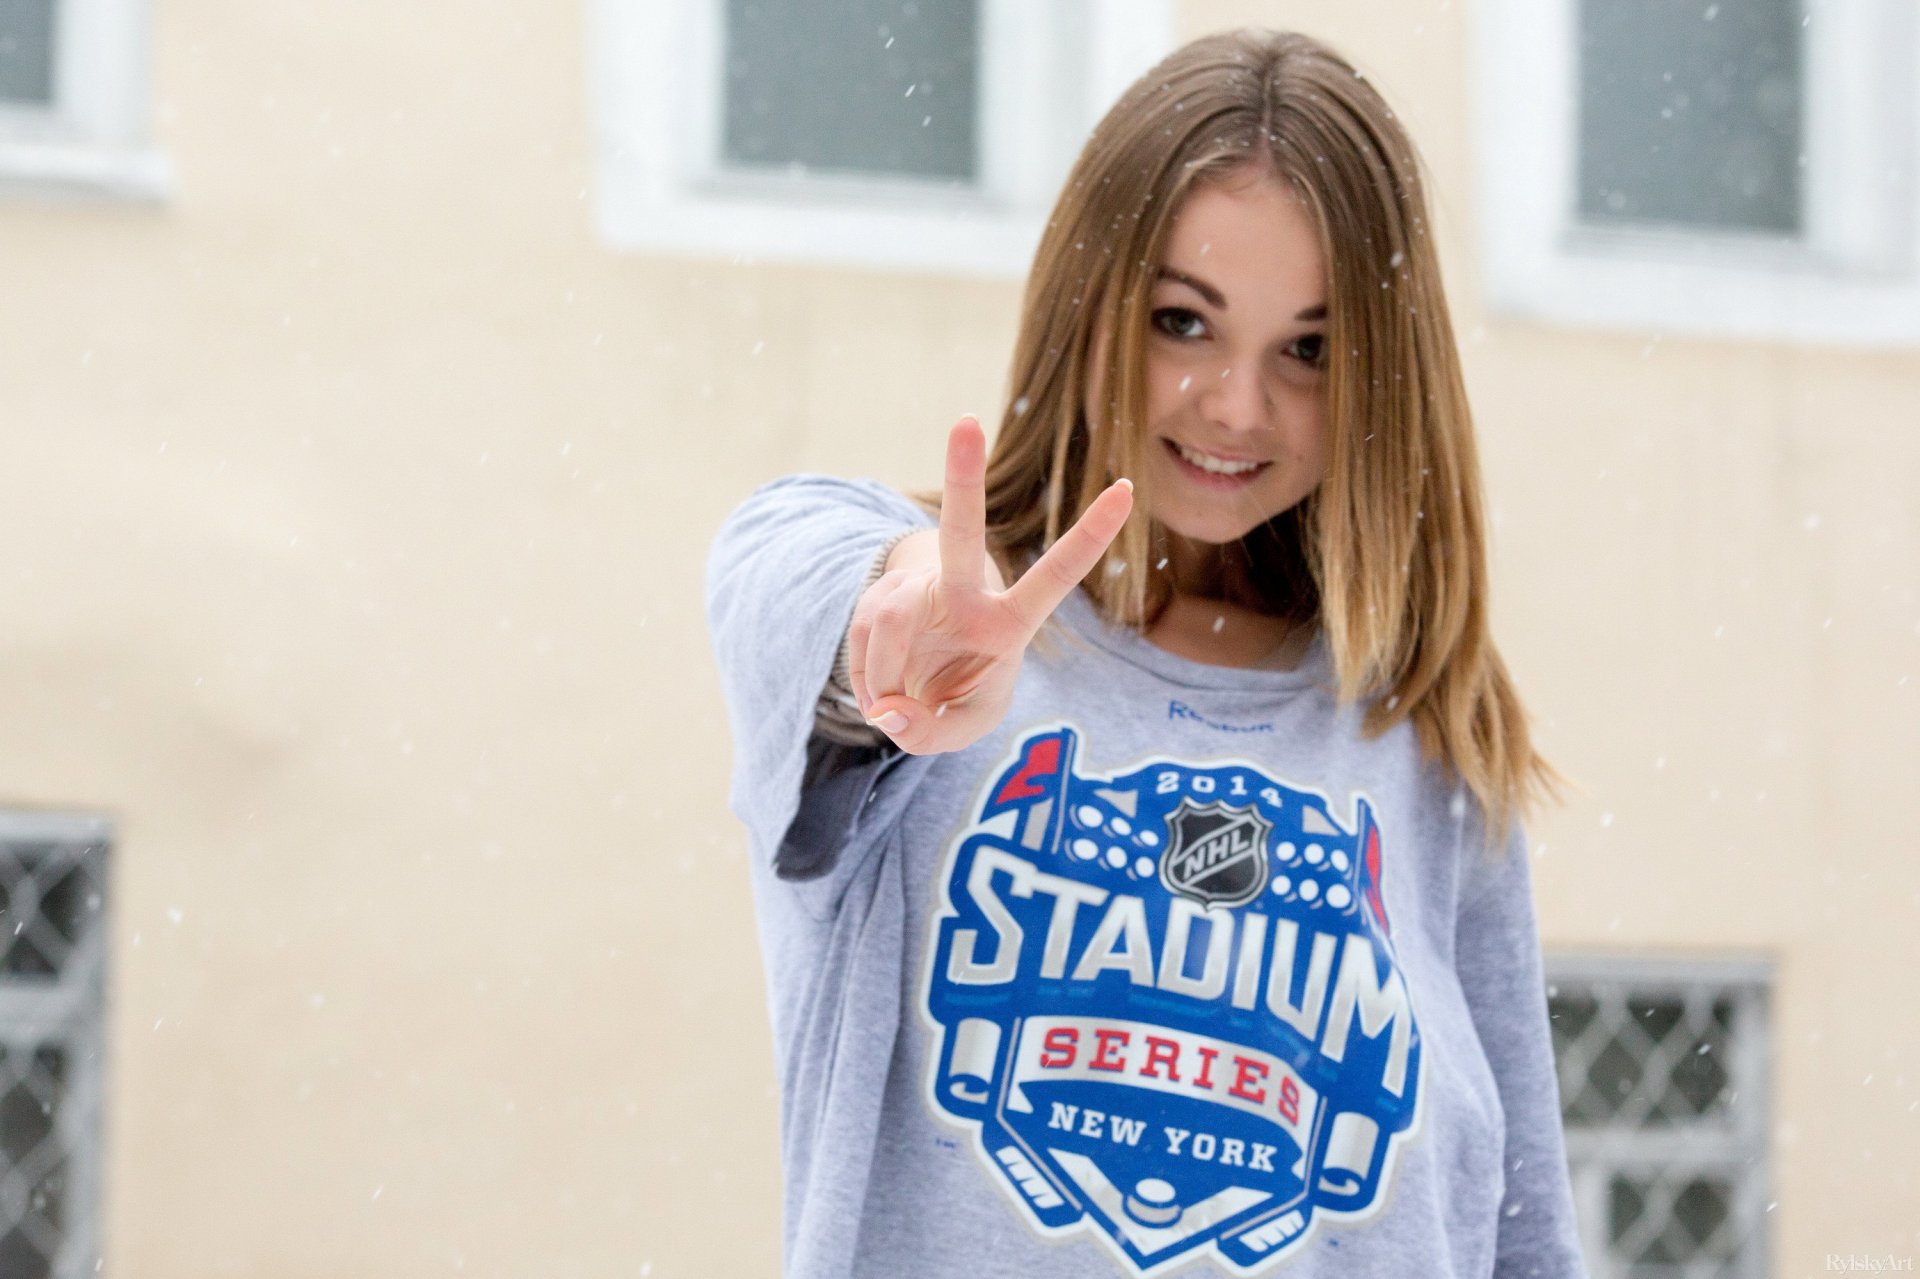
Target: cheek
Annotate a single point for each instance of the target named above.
(1311, 442)
(1169, 386)
(1176, 381)
(1322, 453)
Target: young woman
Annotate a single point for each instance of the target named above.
(1145, 888)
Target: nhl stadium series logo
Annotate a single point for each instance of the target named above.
(1167, 1006)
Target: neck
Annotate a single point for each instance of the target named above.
(1204, 570)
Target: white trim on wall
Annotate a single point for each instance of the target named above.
(1048, 72)
(92, 140)
(1852, 278)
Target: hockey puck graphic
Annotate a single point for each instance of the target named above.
(1151, 1203)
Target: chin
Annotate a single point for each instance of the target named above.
(1211, 532)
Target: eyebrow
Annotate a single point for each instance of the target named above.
(1215, 298)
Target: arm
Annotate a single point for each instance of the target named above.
(1497, 956)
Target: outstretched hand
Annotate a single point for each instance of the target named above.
(934, 646)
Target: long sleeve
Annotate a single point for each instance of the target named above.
(783, 574)
(1497, 955)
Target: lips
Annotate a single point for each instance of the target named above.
(1218, 479)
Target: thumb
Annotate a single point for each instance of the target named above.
(901, 718)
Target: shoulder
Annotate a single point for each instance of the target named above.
(861, 491)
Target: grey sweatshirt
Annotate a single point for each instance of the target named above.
(1173, 970)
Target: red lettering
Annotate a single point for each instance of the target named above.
(1102, 1059)
(1162, 1052)
(1060, 1047)
(1290, 1100)
(1205, 1079)
(1246, 1069)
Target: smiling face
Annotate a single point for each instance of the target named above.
(1235, 367)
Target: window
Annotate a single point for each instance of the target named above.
(1663, 1089)
(1717, 167)
(902, 134)
(73, 100)
(52, 880)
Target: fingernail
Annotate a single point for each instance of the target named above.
(891, 722)
(1124, 480)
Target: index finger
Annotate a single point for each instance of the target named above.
(963, 508)
(1054, 575)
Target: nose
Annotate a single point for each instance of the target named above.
(1236, 398)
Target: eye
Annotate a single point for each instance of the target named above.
(1311, 349)
(1180, 323)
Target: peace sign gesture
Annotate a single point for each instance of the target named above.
(936, 643)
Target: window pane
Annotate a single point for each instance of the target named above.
(1690, 113)
(1643, 1059)
(49, 893)
(26, 51)
(1658, 1224)
(857, 86)
(32, 1092)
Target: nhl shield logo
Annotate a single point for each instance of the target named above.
(1215, 854)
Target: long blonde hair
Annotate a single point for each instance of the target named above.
(1388, 553)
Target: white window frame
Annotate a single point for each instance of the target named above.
(1048, 72)
(92, 140)
(1738, 1154)
(1854, 276)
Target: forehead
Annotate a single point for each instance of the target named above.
(1249, 237)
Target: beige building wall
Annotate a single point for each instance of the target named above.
(359, 498)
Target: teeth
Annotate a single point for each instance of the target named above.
(1206, 462)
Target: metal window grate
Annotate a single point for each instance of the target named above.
(52, 890)
(1662, 1073)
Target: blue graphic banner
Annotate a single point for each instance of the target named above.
(1167, 1004)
